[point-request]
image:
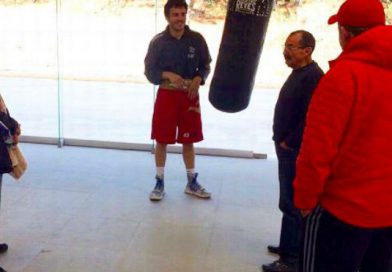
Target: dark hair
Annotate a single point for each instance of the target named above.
(355, 30)
(307, 39)
(174, 3)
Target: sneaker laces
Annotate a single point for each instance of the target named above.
(159, 185)
(194, 185)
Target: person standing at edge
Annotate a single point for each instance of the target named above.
(178, 60)
(288, 126)
(13, 128)
(344, 170)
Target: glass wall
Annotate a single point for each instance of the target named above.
(75, 69)
(28, 65)
(248, 130)
(106, 96)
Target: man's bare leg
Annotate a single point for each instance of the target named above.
(160, 161)
(193, 187)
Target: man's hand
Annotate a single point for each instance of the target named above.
(193, 90)
(285, 146)
(15, 137)
(305, 213)
(18, 130)
(176, 80)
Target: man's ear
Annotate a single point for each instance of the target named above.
(344, 36)
(308, 50)
(344, 33)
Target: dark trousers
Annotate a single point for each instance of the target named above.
(291, 229)
(1, 184)
(331, 245)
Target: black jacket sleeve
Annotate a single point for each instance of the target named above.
(5, 161)
(10, 122)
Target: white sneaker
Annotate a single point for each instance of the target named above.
(158, 193)
(194, 188)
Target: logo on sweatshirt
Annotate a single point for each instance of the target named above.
(191, 52)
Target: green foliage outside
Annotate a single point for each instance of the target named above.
(202, 10)
(215, 8)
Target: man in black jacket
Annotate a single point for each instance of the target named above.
(9, 134)
(288, 127)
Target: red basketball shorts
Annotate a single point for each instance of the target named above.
(176, 118)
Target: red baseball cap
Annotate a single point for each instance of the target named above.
(359, 13)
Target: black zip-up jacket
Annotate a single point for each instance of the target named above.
(292, 104)
(188, 57)
(11, 124)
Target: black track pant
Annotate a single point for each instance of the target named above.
(331, 245)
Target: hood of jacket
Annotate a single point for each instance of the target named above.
(374, 47)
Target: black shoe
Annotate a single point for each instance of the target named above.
(3, 248)
(278, 266)
(2, 269)
(273, 249)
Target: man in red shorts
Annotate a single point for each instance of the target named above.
(178, 61)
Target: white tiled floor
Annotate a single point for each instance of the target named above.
(83, 209)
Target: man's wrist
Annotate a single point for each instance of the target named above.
(165, 75)
(199, 79)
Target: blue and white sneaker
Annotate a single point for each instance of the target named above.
(194, 188)
(158, 193)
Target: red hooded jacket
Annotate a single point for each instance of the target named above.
(345, 162)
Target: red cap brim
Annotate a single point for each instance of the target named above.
(333, 19)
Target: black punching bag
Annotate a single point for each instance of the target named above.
(239, 53)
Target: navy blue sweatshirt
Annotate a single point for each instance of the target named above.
(292, 104)
(188, 56)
